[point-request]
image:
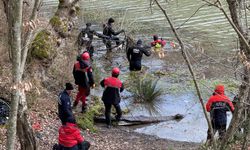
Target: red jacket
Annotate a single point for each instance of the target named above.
(83, 75)
(162, 42)
(69, 135)
(113, 86)
(218, 105)
(219, 97)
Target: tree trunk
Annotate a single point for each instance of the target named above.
(24, 130)
(190, 70)
(29, 37)
(140, 120)
(66, 12)
(246, 131)
(244, 90)
(14, 40)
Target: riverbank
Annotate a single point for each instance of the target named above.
(46, 124)
(121, 138)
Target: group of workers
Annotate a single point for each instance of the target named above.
(69, 134)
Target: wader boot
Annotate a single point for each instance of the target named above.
(84, 109)
(74, 105)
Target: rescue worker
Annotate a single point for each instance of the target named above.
(134, 56)
(83, 76)
(85, 39)
(158, 45)
(111, 34)
(64, 104)
(218, 104)
(70, 137)
(111, 95)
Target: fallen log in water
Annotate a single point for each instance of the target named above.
(138, 120)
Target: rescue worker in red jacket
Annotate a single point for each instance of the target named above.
(218, 104)
(83, 76)
(70, 137)
(158, 45)
(111, 95)
(157, 40)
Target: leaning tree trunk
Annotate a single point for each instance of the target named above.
(65, 16)
(244, 90)
(183, 51)
(14, 40)
(246, 131)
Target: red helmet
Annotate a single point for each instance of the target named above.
(85, 56)
(115, 71)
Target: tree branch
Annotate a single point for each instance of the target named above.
(28, 37)
(74, 2)
(190, 69)
(241, 36)
(191, 16)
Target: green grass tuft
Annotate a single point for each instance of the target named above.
(86, 121)
(147, 93)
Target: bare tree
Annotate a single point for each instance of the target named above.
(19, 55)
(241, 29)
(18, 51)
(235, 20)
(189, 67)
(14, 40)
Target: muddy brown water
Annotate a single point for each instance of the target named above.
(206, 32)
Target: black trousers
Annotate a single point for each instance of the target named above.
(108, 111)
(135, 65)
(90, 49)
(220, 128)
(108, 43)
(82, 146)
(63, 120)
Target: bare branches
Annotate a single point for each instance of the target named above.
(151, 2)
(241, 36)
(74, 2)
(29, 34)
(189, 67)
(191, 16)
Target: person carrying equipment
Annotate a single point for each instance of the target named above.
(218, 105)
(111, 34)
(85, 38)
(158, 45)
(134, 55)
(111, 95)
(64, 104)
(83, 76)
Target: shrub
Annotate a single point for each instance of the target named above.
(41, 46)
(147, 93)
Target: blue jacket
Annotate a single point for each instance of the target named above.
(64, 106)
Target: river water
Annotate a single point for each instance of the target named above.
(208, 28)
